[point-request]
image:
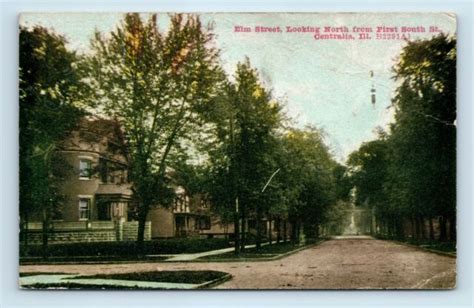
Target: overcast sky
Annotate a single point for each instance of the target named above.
(325, 83)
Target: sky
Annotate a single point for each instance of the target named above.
(324, 83)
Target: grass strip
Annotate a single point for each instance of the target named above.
(193, 277)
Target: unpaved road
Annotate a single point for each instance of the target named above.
(347, 263)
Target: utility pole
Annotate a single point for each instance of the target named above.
(259, 212)
(270, 179)
(234, 188)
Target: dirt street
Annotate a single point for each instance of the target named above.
(346, 263)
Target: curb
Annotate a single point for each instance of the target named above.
(215, 282)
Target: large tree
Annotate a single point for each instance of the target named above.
(154, 84)
(246, 119)
(48, 93)
(423, 137)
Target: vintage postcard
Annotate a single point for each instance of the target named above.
(237, 150)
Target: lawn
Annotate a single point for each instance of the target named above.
(428, 244)
(194, 277)
(154, 280)
(440, 246)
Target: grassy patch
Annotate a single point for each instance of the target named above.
(40, 273)
(429, 244)
(266, 251)
(233, 256)
(440, 246)
(80, 286)
(99, 249)
(194, 277)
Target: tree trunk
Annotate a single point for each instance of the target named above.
(400, 229)
(270, 231)
(25, 231)
(258, 225)
(141, 229)
(45, 233)
(442, 229)
(413, 231)
(422, 226)
(236, 228)
(243, 230)
(392, 227)
(377, 226)
(284, 231)
(432, 236)
(418, 228)
(293, 232)
(278, 225)
(298, 232)
(452, 228)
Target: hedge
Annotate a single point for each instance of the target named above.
(165, 246)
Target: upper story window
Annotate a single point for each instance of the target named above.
(181, 203)
(85, 168)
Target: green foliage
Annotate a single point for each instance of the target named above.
(425, 107)
(368, 168)
(411, 172)
(246, 121)
(307, 177)
(49, 89)
(156, 85)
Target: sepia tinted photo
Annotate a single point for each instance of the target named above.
(237, 151)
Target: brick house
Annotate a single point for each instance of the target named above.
(97, 195)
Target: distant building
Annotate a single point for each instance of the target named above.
(189, 216)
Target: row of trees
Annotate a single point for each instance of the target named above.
(408, 175)
(226, 137)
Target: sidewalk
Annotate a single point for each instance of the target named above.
(194, 256)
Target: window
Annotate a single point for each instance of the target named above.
(84, 208)
(84, 169)
(111, 172)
